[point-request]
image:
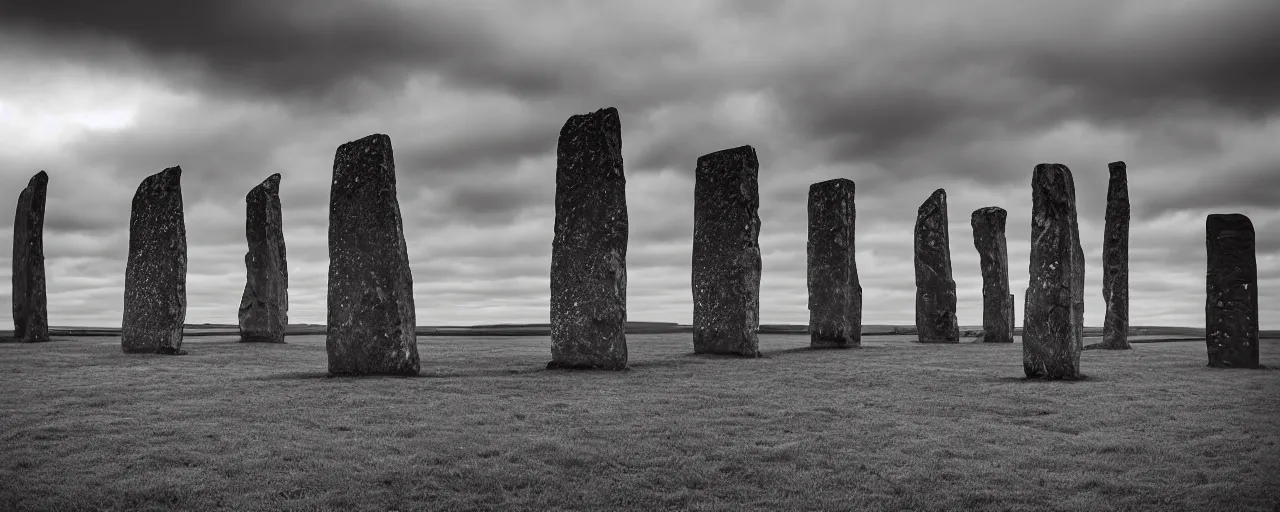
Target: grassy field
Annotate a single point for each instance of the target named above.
(892, 426)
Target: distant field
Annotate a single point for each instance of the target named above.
(893, 426)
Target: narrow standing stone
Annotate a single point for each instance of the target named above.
(989, 239)
(935, 288)
(264, 307)
(1012, 314)
(835, 296)
(726, 253)
(1053, 328)
(371, 312)
(589, 251)
(1231, 305)
(155, 281)
(1115, 260)
(30, 304)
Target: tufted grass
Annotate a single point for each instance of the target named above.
(892, 426)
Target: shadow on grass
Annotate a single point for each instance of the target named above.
(321, 375)
(1025, 379)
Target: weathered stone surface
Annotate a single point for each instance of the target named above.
(1115, 260)
(835, 295)
(1053, 323)
(726, 253)
(155, 281)
(935, 288)
(589, 251)
(264, 307)
(30, 304)
(371, 313)
(993, 255)
(1231, 304)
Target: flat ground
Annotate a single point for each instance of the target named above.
(892, 426)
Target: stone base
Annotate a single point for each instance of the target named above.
(1228, 366)
(738, 352)
(260, 339)
(412, 372)
(828, 343)
(1040, 377)
(555, 365)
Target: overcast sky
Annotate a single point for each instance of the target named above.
(901, 97)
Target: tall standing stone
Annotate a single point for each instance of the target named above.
(726, 253)
(155, 281)
(1231, 304)
(30, 303)
(264, 307)
(1115, 260)
(935, 288)
(589, 251)
(993, 254)
(371, 313)
(835, 296)
(1053, 323)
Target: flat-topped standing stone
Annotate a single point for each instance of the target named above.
(264, 307)
(30, 304)
(155, 280)
(371, 312)
(726, 253)
(935, 289)
(589, 251)
(835, 296)
(993, 254)
(1053, 328)
(1231, 304)
(1115, 260)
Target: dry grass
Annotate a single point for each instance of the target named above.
(892, 426)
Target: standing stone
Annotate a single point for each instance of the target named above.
(935, 289)
(1115, 261)
(1231, 305)
(835, 296)
(589, 251)
(726, 253)
(155, 280)
(264, 307)
(371, 313)
(988, 237)
(1012, 314)
(1053, 323)
(30, 304)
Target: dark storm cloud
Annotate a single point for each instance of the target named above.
(1254, 185)
(1212, 53)
(282, 48)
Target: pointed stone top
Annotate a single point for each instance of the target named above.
(168, 177)
(40, 179)
(1118, 164)
(833, 183)
(937, 202)
(271, 184)
(738, 152)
